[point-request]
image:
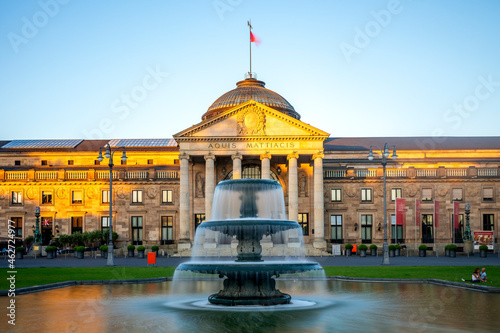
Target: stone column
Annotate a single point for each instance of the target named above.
(184, 239)
(209, 184)
(236, 166)
(293, 187)
(319, 203)
(265, 166)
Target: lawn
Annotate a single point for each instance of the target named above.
(26, 277)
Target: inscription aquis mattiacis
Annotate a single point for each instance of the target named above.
(253, 145)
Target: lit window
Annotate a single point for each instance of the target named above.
(137, 196)
(167, 229)
(366, 195)
(104, 223)
(77, 197)
(336, 195)
(46, 197)
(303, 220)
(105, 196)
(17, 197)
(166, 196)
(396, 193)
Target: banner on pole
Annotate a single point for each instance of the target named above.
(436, 214)
(400, 211)
(456, 217)
(417, 211)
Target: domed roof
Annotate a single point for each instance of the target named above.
(250, 88)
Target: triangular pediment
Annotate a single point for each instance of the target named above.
(251, 120)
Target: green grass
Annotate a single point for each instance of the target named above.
(26, 277)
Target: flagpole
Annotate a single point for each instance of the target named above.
(416, 217)
(250, 45)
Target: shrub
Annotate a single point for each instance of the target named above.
(422, 247)
(398, 247)
(50, 249)
(141, 248)
(75, 248)
(483, 247)
(348, 246)
(155, 248)
(373, 247)
(80, 248)
(363, 247)
(131, 247)
(20, 249)
(103, 248)
(447, 247)
(392, 247)
(452, 247)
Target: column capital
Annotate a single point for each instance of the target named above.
(236, 156)
(184, 156)
(318, 155)
(209, 156)
(292, 155)
(266, 155)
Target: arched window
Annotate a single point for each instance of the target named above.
(251, 171)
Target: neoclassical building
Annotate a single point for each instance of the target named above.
(166, 186)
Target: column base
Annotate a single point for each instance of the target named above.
(184, 244)
(319, 243)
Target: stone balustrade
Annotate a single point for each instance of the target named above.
(441, 172)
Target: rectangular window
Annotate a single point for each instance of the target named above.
(166, 196)
(44, 162)
(77, 197)
(458, 233)
(17, 162)
(427, 228)
(488, 194)
(17, 197)
(396, 193)
(97, 162)
(198, 219)
(71, 162)
(366, 195)
(104, 223)
(76, 224)
(176, 162)
(137, 230)
(426, 194)
(47, 198)
(336, 228)
(488, 222)
(150, 161)
(457, 194)
(167, 230)
(18, 226)
(366, 228)
(396, 231)
(336, 195)
(105, 196)
(304, 223)
(122, 162)
(137, 196)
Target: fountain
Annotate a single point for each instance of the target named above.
(249, 212)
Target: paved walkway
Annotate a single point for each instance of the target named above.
(70, 261)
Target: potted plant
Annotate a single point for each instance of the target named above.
(140, 251)
(131, 249)
(80, 252)
(348, 249)
(104, 251)
(20, 252)
(452, 248)
(392, 250)
(483, 250)
(155, 249)
(373, 249)
(362, 250)
(422, 250)
(51, 250)
(397, 252)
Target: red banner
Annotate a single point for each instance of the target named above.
(456, 216)
(417, 211)
(436, 214)
(400, 211)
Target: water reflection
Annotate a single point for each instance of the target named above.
(373, 307)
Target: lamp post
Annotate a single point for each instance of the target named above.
(385, 153)
(109, 155)
(38, 236)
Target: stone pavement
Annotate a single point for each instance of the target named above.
(70, 261)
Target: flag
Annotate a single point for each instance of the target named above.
(254, 39)
(46, 222)
(456, 217)
(417, 211)
(400, 211)
(436, 214)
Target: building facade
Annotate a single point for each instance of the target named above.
(166, 186)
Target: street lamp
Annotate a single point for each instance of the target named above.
(385, 153)
(38, 236)
(109, 155)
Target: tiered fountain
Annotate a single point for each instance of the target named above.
(250, 212)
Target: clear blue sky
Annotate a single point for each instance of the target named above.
(351, 68)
